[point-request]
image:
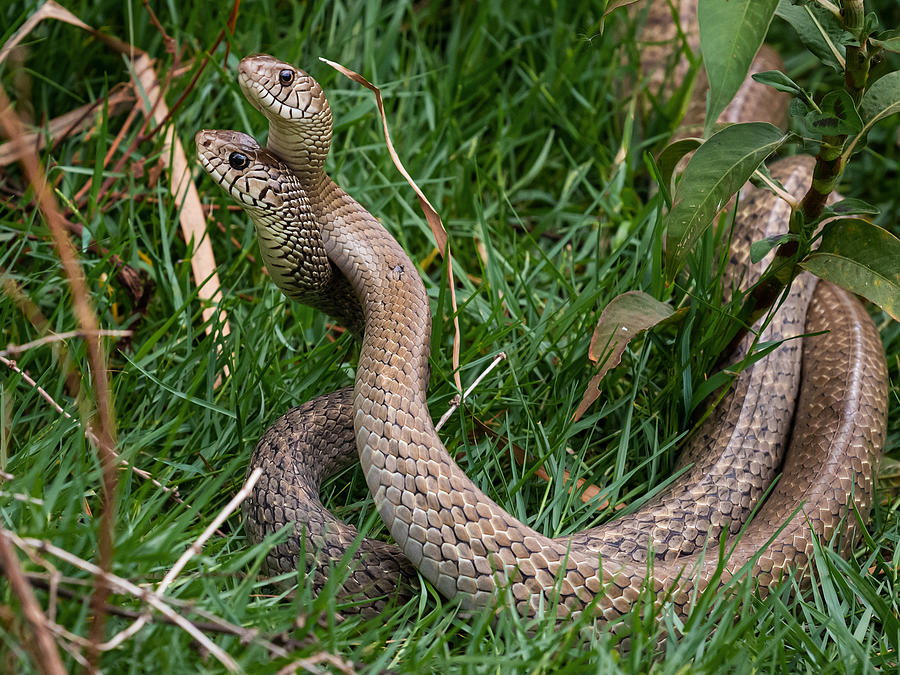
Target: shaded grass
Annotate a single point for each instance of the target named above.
(509, 117)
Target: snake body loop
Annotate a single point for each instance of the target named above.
(468, 546)
(456, 537)
(734, 457)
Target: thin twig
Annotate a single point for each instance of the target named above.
(310, 663)
(125, 586)
(44, 653)
(20, 497)
(87, 431)
(212, 624)
(18, 349)
(198, 544)
(457, 400)
(192, 550)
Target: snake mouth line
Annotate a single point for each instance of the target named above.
(272, 103)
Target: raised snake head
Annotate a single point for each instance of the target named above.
(295, 106)
(289, 238)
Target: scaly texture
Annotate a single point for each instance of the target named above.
(736, 457)
(457, 538)
(468, 546)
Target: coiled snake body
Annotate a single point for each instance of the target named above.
(319, 243)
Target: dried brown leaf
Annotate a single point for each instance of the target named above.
(67, 124)
(625, 317)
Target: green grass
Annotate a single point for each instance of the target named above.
(510, 117)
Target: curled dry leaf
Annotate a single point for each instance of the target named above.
(624, 318)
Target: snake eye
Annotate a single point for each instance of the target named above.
(238, 160)
(286, 77)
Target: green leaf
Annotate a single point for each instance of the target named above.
(853, 207)
(759, 249)
(730, 35)
(819, 31)
(778, 80)
(881, 99)
(717, 170)
(837, 116)
(889, 41)
(862, 258)
(671, 155)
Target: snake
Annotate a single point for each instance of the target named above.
(315, 239)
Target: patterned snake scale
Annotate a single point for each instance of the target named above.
(321, 245)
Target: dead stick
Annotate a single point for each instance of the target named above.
(14, 130)
(45, 653)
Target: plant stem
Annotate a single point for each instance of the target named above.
(828, 170)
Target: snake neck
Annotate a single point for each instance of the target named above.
(415, 483)
(302, 144)
(292, 250)
(306, 159)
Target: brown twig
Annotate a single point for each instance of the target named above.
(14, 130)
(60, 128)
(168, 39)
(79, 197)
(232, 20)
(44, 651)
(123, 586)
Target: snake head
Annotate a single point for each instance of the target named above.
(251, 174)
(288, 234)
(295, 105)
(277, 88)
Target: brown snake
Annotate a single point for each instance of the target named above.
(318, 243)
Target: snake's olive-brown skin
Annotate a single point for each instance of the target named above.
(467, 546)
(734, 457)
(459, 539)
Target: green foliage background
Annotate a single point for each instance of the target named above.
(516, 120)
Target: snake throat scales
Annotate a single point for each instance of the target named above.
(321, 245)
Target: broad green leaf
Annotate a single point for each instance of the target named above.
(730, 35)
(853, 207)
(881, 100)
(836, 115)
(624, 318)
(778, 80)
(862, 258)
(889, 41)
(671, 155)
(760, 249)
(819, 31)
(717, 170)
